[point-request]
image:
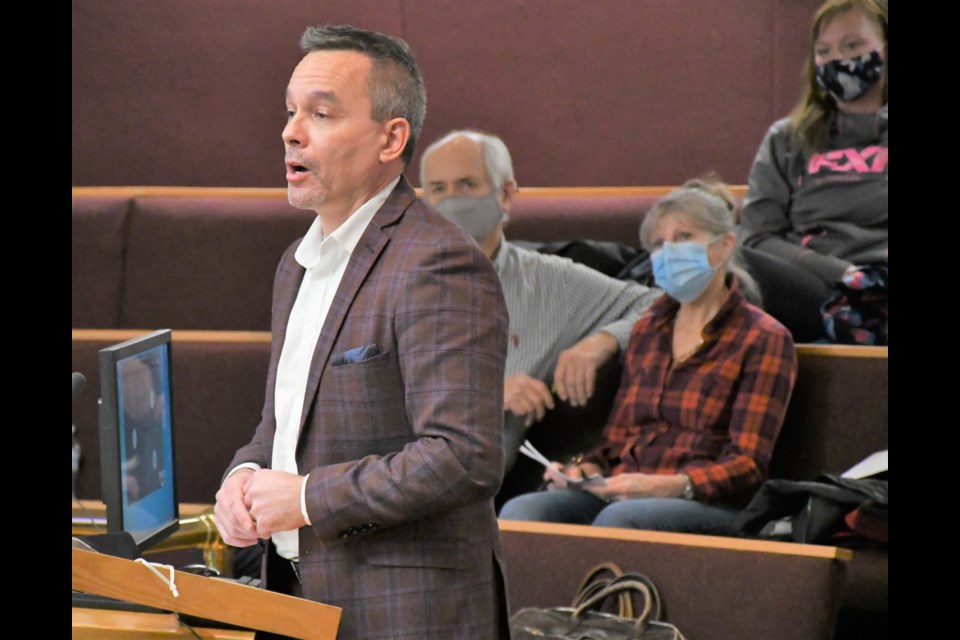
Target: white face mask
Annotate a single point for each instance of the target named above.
(478, 216)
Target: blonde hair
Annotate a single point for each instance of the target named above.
(816, 112)
(704, 209)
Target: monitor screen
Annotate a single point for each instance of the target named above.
(136, 438)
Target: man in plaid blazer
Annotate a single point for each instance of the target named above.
(379, 450)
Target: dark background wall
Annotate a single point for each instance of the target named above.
(599, 92)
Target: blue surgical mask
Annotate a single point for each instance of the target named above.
(849, 79)
(682, 269)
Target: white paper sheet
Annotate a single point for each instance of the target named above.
(531, 452)
(871, 465)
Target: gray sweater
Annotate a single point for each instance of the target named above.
(823, 211)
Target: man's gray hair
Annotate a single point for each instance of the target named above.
(496, 156)
(394, 83)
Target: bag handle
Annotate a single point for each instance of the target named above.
(656, 600)
(621, 587)
(624, 604)
(599, 569)
(652, 595)
(591, 584)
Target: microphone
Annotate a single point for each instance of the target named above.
(75, 455)
(79, 382)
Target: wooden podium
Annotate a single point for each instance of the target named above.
(200, 596)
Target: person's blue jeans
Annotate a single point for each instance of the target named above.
(658, 514)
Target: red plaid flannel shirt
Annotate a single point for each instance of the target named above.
(714, 416)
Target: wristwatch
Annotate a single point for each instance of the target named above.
(688, 492)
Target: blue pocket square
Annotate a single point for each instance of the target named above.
(357, 354)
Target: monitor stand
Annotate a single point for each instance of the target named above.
(119, 544)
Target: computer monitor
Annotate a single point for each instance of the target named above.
(138, 483)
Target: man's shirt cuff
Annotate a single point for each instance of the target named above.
(253, 466)
(303, 500)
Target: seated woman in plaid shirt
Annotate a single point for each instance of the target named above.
(706, 382)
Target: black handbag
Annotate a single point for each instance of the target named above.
(586, 619)
(816, 511)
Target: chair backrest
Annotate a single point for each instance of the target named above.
(838, 412)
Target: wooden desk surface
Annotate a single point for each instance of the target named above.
(104, 624)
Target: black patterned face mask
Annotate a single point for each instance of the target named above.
(849, 79)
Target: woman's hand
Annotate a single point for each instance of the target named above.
(574, 469)
(639, 485)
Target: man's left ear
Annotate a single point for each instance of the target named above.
(397, 133)
(506, 196)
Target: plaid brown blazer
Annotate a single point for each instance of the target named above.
(401, 431)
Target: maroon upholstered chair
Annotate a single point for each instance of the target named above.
(206, 263)
(97, 257)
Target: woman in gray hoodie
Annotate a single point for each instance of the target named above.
(817, 195)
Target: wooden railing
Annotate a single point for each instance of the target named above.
(281, 193)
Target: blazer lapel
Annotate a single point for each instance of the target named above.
(287, 288)
(372, 243)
